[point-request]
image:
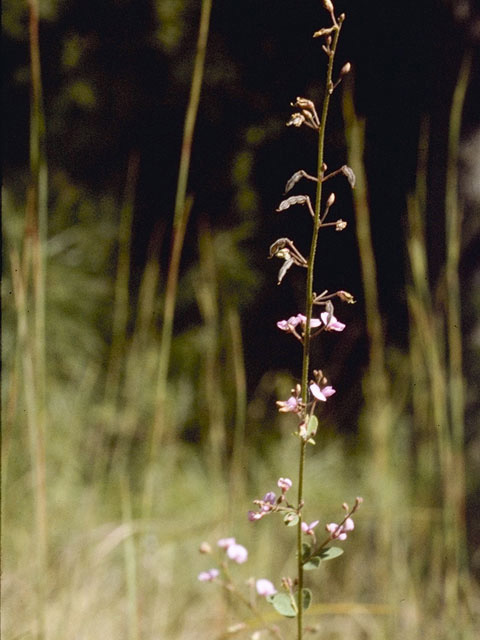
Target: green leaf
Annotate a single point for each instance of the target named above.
(329, 553)
(282, 603)
(306, 551)
(312, 563)
(312, 426)
(306, 598)
(291, 519)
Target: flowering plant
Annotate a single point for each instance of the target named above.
(292, 598)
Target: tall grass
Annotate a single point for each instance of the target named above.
(92, 550)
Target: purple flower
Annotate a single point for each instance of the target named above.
(255, 515)
(331, 323)
(321, 394)
(269, 498)
(339, 531)
(308, 528)
(285, 406)
(284, 484)
(265, 587)
(208, 576)
(237, 553)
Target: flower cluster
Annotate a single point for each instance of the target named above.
(270, 503)
(326, 322)
(339, 531)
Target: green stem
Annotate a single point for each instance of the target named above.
(309, 304)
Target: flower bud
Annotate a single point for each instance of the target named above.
(205, 548)
(328, 5)
(331, 200)
(340, 225)
(345, 69)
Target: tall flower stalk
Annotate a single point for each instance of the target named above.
(293, 598)
(330, 50)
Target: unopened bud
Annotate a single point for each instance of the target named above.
(345, 69)
(328, 5)
(205, 548)
(331, 200)
(345, 506)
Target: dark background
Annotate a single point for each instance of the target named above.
(137, 59)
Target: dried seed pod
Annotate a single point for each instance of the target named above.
(298, 175)
(289, 202)
(349, 174)
(323, 32)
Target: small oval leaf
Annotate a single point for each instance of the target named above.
(306, 598)
(329, 553)
(283, 604)
(312, 563)
(312, 426)
(291, 519)
(306, 550)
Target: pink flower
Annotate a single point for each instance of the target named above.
(321, 394)
(292, 323)
(339, 532)
(285, 484)
(208, 576)
(237, 553)
(265, 587)
(314, 322)
(308, 528)
(224, 543)
(255, 515)
(331, 323)
(285, 406)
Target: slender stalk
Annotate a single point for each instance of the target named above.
(121, 298)
(34, 358)
(180, 219)
(455, 487)
(309, 303)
